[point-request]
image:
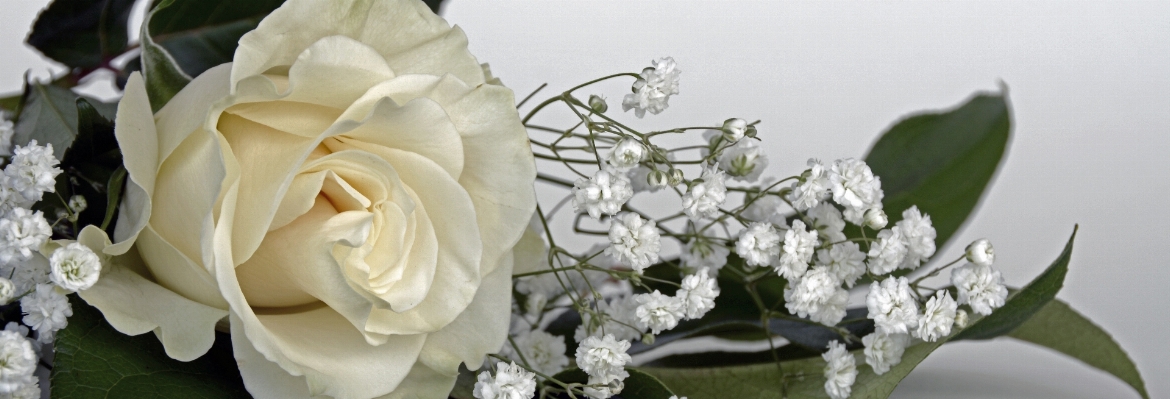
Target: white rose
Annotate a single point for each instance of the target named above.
(347, 194)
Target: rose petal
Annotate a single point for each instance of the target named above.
(138, 139)
(479, 330)
(264, 379)
(188, 185)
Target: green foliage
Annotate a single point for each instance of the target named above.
(49, 115)
(1059, 327)
(82, 34)
(942, 162)
(164, 78)
(200, 34)
(1024, 303)
(95, 361)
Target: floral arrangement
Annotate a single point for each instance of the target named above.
(345, 204)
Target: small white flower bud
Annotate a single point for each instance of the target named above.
(981, 252)
(597, 104)
(75, 267)
(657, 178)
(876, 218)
(7, 291)
(961, 318)
(676, 177)
(78, 203)
(734, 129)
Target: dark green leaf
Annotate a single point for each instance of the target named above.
(11, 103)
(200, 34)
(113, 195)
(1024, 303)
(639, 385)
(82, 33)
(95, 361)
(1059, 327)
(942, 161)
(49, 115)
(163, 76)
(435, 5)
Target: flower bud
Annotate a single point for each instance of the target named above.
(734, 129)
(981, 252)
(648, 339)
(7, 291)
(961, 318)
(657, 178)
(78, 203)
(676, 177)
(876, 219)
(597, 104)
(750, 131)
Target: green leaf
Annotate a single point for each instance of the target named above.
(942, 161)
(162, 74)
(639, 385)
(1059, 327)
(435, 5)
(49, 115)
(201, 34)
(82, 33)
(1022, 304)
(805, 378)
(95, 361)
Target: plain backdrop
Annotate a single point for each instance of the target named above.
(1090, 91)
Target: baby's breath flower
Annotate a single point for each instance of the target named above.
(658, 312)
(918, 234)
(33, 170)
(979, 286)
(840, 371)
(634, 241)
(766, 209)
(937, 318)
(511, 382)
(827, 221)
(652, 91)
(704, 254)
(7, 129)
(46, 310)
(18, 362)
(813, 187)
(892, 306)
(883, 351)
(544, 352)
(626, 154)
(733, 129)
(981, 252)
(600, 388)
(7, 291)
(744, 161)
(75, 267)
(961, 319)
(799, 246)
(854, 187)
(698, 294)
(758, 245)
(703, 199)
(22, 232)
(887, 252)
(875, 218)
(817, 296)
(605, 193)
(845, 260)
(604, 358)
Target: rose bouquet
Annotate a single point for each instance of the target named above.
(313, 198)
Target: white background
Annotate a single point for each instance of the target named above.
(1090, 90)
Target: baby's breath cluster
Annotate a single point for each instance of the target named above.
(820, 232)
(35, 271)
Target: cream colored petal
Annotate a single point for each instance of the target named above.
(531, 252)
(262, 378)
(423, 382)
(479, 330)
(177, 272)
(315, 77)
(420, 126)
(299, 198)
(135, 305)
(458, 271)
(185, 195)
(299, 118)
(268, 160)
(390, 27)
(334, 357)
(445, 54)
(189, 110)
(134, 128)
